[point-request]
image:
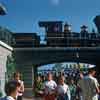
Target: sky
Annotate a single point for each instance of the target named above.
(24, 15)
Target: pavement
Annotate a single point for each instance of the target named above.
(28, 95)
(29, 99)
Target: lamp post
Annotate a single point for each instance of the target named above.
(77, 56)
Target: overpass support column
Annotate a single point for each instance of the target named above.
(98, 70)
(98, 67)
(35, 72)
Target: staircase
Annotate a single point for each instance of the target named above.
(27, 75)
(26, 71)
(27, 78)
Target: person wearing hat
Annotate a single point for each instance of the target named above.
(11, 90)
(89, 85)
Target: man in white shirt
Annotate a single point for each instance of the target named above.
(11, 90)
(49, 88)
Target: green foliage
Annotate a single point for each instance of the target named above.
(0, 94)
(11, 66)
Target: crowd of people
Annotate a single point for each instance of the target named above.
(50, 87)
(84, 87)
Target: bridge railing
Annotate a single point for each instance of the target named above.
(70, 40)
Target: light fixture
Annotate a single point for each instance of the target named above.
(3, 10)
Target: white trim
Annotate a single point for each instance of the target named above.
(6, 46)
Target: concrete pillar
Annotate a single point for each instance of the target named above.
(35, 69)
(5, 50)
(98, 70)
(3, 60)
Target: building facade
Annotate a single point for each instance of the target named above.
(6, 35)
(26, 40)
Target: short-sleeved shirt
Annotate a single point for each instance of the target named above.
(72, 88)
(7, 98)
(89, 86)
(63, 89)
(49, 86)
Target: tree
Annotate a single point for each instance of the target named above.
(11, 66)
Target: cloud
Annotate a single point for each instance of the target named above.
(55, 2)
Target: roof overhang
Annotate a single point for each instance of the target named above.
(6, 46)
